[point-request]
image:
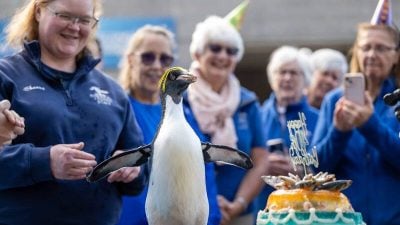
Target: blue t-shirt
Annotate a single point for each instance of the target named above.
(148, 118)
(274, 129)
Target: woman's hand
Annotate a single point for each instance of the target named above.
(278, 164)
(69, 162)
(348, 115)
(363, 113)
(125, 174)
(229, 210)
(11, 124)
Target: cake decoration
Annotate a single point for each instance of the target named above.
(312, 199)
(298, 144)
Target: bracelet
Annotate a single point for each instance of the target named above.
(242, 202)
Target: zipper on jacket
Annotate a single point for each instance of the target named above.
(67, 94)
(69, 98)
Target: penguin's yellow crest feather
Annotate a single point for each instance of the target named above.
(163, 79)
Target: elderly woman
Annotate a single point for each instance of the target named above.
(149, 53)
(288, 73)
(329, 67)
(361, 142)
(228, 114)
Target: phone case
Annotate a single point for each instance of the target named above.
(354, 87)
(276, 145)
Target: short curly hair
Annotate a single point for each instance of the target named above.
(215, 29)
(286, 54)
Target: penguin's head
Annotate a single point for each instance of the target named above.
(175, 81)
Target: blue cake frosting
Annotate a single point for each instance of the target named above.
(312, 217)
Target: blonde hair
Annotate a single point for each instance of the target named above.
(394, 32)
(24, 27)
(135, 42)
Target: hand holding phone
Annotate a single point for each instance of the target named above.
(276, 145)
(354, 87)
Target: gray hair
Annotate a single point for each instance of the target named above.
(215, 29)
(286, 54)
(328, 59)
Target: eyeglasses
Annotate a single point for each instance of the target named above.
(292, 73)
(148, 59)
(215, 48)
(84, 21)
(380, 49)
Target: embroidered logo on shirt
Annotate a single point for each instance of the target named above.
(100, 96)
(31, 88)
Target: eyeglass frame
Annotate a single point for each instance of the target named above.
(290, 72)
(153, 56)
(217, 48)
(67, 17)
(380, 49)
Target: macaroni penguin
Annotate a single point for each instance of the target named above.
(177, 190)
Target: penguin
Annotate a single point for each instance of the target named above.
(177, 189)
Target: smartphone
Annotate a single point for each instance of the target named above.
(276, 145)
(354, 87)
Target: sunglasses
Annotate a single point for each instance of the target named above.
(215, 48)
(148, 59)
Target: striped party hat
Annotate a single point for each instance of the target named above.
(383, 13)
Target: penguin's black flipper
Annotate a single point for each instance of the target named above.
(225, 155)
(134, 157)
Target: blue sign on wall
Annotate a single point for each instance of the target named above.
(114, 34)
(4, 48)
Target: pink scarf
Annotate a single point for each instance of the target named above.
(213, 110)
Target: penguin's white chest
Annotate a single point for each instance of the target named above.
(177, 190)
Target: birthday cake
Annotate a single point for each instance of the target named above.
(312, 200)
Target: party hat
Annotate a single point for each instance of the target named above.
(383, 13)
(235, 17)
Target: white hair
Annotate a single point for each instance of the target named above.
(286, 54)
(215, 29)
(328, 59)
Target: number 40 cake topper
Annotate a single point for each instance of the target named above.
(298, 144)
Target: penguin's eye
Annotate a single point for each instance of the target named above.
(172, 76)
